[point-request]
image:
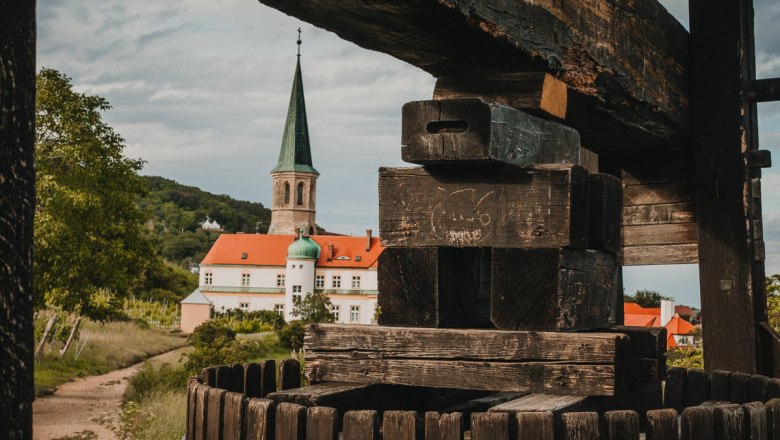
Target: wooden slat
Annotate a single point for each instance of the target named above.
(620, 96)
(606, 196)
(580, 426)
(234, 416)
(290, 374)
(773, 389)
(399, 425)
(773, 419)
(224, 377)
(659, 254)
(758, 384)
(290, 422)
(721, 385)
(674, 233)
(697, 389)
(201, 413)
(443, 426)
(674, 392)
(728, 422)
(490, 426)
(657, 193)
(535, 425)
(662, 425)
(214, 412)
(361, 425)
(666, 213)
(696, 424)
(322, 423)
(740, 387)
(253, 375)
(269, 377)
(471, 130)
(260, 419)
(547, 404)
(755, 421)
(192, 404)
(621, 425)
(536, 92)
(542, 206)
(456, 344)
(237, 377)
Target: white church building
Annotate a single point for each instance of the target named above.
(267, 271)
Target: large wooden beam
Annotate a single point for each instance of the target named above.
(625, 62)
(17, 203)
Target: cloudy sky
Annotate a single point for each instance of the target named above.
(200, 91)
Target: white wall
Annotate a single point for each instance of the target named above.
(230, 276)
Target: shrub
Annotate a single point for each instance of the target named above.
(150, 380)
(291, 336)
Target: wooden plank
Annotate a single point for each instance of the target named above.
(480, 404)
(758, 385)
(659, 254)
(491, 426)
(697, 389)
(208, 376)
(290, 374)
(696, 424)
(322, 423)
(724, 128)
(443, 426)
(535, 92)
(580, 426)
(773, 419)
(553, 289)
(234, 416)
(755, 421)
(535, 425)
(456, 344)
(192, 404)
(606, 196)
(657, 193)
(547, 404)
(269, 377)
(253, 375)
(538, 377)
(201, 413)
(650, 169)
(214, 412)
(224, 377)
(620, 95)
(470, 130)
(740, 387)
(290, 422)
(434, 287)
(665, 213)
(728, 422)
(773, 389)
(673, 233)
(662, 425)
(237, 376)
(675, 389)
(621, 425)
(361, 425)
(260, 419)
(721, 385)
(541, 206)
(399, 425)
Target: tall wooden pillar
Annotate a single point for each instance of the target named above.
(731, 251)
(17, 203)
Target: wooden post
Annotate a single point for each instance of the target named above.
(224, 376)
(758, 385)
(580, 426)
(697, 388)
(740, 387)
(491, 426)
(731, 274)
(290, 374)
(290, 422)
(728, 422)
(361, 425)
(269, 377)
(535, 425)
(260, 419)
(755, 421)
(721, 386)
(237, 374)
(443, 426)
(234, 416)
(773, 419)
(322, 423)
(45, 336)
(696, 424)
(661, 425)
(399, 425)
(674, 393)
(201, 414)
(253, 385)
(73, 332)
(215, 410)
(621, 425)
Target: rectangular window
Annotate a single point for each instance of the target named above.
(354, 314)
(319, 281)
(279, 308)
(336, 282)
(245, 279)
(280, 280)
(296, 298)
(335, 310)
(243, 306)
(356, 282)
(296, 289)
(207, 278)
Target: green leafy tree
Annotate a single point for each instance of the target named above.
(88, 235)
(313, 307)
(772, 285)
(645, 298)
(291, 335)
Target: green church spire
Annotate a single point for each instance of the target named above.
(295, 154)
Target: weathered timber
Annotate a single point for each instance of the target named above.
(480, 404)
(621, 425)
(758, 385)
(606, 198)
(724, 128)
(697, 389)
(234, 416)
(662, 424)
(400, 425)
(553, 289)
(755, 421)
(192, 405)
(322, 423)
(773, 419)
(535, 425)
(434, 287)
(224, 377)
(535, 92)
(260, 419)
(361, 425)
(647, 361)
(508, 206)
(253, 375)
(740, 387)
(674, 393)
(17, 208)
(728, 422)
(696, 423)
(443, 426)
(544, 404)
(269, 377)
(237, 378)
(720, 382)
(215, 410)
(619, 98)
(290, 374)
(470, 130)
(491, 426)
(200, 423)
(580, 426)
(290, 422)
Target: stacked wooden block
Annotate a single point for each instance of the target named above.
(505, 225)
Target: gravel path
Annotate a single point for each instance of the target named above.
(68, 410)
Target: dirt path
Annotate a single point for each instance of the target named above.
(68, 410)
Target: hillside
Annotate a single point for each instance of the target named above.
(175, 212)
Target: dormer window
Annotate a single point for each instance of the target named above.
(244, 256)
(343, 257)
(358, 257)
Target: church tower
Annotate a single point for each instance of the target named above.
(294, 178)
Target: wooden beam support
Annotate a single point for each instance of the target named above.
(626, 63)
(764, 90)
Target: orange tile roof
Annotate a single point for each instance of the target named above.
(678, 326)
(631, 319)
(636, 309)
(271, 250)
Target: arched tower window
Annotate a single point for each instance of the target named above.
(299, 195)
(286, 193)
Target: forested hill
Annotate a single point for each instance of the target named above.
(176, 211)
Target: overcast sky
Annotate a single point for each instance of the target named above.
(200, 91)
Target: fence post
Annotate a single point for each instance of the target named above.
(740, 387)
(269, 377)
(361, 425)
(621, 425)
(491, 426)
(192, 387)
(773, 419)
(697, 387)
(728, 422)
(674, 392)
(290, 422)
(223, 377)
(214, 413)
(322, 423)
(290, 374)
(400, 425)
(755, 421)
(535, 425)
(237, 373)
(233, 416)
(580, 426)
(696, 423)
(201, 412)
(253, 385)
(260, 419)
(662, 425)
(758, 385)
(443, 426)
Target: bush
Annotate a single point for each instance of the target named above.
(685, 357)
(216, 344)
(291, 336)
(150, 380)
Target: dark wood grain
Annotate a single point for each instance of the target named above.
(234, 416)
(322, 423)
(535, 425)
(469, 130)
(290, 422)
(269, 377)
(541, 206)
(224, 377)
(728, 422)
(361, 425)
(662, 424)
(697, 389)
(606, 201)
(580, 426)
(535, 92)
(260, 419)
(553, 289)
(720, 382)
(491, 426)
(659, 254)
(237, 378)
(740, 387)
(443, 426)
(400, 425)
(773, 419)
(290, 374)
(696, 423)
(201, 413)
(215, 409)
(675, 388)
(253, 376)
(621, 425)
(758, 385)
(755, 421)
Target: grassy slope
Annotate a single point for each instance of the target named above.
(108, 347)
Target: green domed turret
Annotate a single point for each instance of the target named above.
(304, 248)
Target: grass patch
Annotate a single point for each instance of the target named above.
(101, 348)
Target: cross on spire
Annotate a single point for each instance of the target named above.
(299, 41)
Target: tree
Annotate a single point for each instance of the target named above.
(772, 285)
(313, 307)
(88, 234)
(646, 298)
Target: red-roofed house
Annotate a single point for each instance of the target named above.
(678, 330)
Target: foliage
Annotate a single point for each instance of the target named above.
(163, 281)
(152, 314)
(260, 320)
(772, 285)
(645, 298)
(685, 357)
(150, 380)
(313, 307)
(131, 418)
(216, 344)
(88, 235)
(291, 336)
